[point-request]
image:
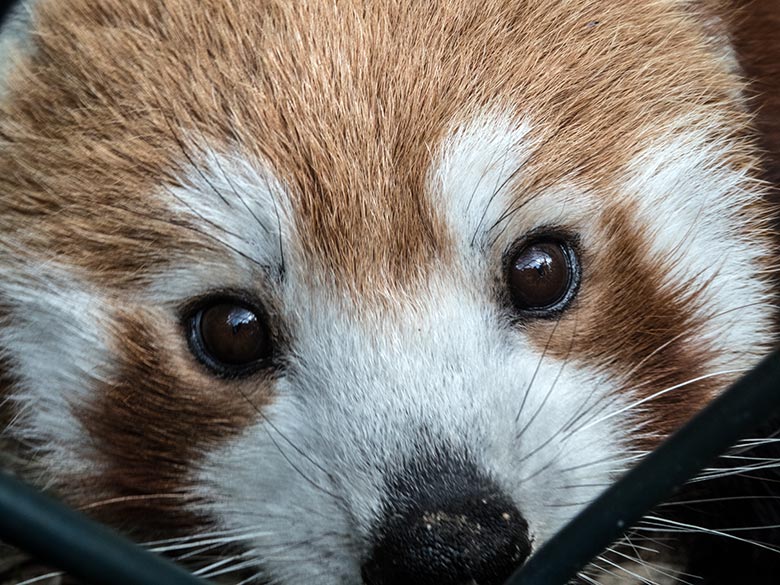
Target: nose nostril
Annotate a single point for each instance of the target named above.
(474, 540)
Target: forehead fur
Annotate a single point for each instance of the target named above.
(350, 101)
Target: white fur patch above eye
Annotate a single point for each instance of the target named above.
(238, 207)
(473, 175)
(240, 204)
(475, 181)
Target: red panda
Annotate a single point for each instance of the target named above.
(375, 293)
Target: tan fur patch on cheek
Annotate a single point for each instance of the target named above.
(635, 327)
(153, 421)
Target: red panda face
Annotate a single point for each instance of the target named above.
(337, 284)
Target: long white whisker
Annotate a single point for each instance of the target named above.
(650, 566)
(41, 578)
(656, 395)
(221, 541)
(693, 528)
(719, 472)
(627, 571)
(237, 567)
(189, 538)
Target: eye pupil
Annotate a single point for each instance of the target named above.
(541, 276)
(232, 334)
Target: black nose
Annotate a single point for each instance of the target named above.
(474, 535)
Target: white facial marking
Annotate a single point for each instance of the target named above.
(363, 398)
(243, 211)
(690, 206)
(472, 180)
(56, 343)
(475, 183)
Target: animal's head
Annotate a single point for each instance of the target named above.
(374, 292)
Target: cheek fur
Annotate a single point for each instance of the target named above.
(637, 331)
(155, 416)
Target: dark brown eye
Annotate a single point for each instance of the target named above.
(230, 337)
(543, 277)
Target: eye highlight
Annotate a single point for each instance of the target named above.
(229, 336)
(543, 276)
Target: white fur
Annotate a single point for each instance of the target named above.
(245, 216)
(689, 203)
(472, 179)
(55, 341)
(355, 403)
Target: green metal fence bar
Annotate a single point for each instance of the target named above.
(731, 417)
(67, 540)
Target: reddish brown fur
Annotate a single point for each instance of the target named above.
(344, 106)
(758, 46)
(157, 414)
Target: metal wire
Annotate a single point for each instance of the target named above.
(67, 540)
(731, 417)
